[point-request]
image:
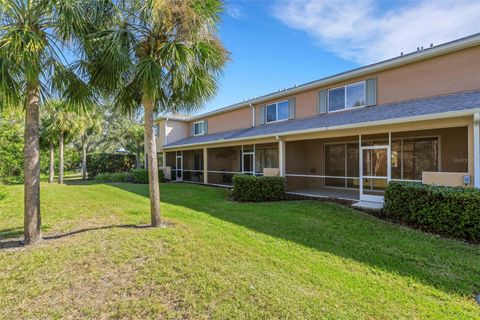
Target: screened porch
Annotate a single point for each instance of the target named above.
(359, 167)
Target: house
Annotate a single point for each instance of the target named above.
(415, 117)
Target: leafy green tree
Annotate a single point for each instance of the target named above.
(11, 142)
(32, 66)
(135, 142)
(161, 55)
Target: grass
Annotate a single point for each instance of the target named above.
(220, 259)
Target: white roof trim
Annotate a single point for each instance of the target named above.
(441, 49)
(431, 116)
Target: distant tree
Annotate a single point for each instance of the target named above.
(90, 127)
(135, 142)
(163, 56)
(11, 145)
(48, 139)
(66, 124)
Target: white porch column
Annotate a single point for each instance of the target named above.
(281, 157)
(205, 165)
(476, 150)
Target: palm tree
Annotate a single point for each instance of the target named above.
(163, 55)
(90, 125)
(48, 138)
(33, 34)
(66, 123)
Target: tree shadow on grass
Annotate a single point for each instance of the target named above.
(8, 243)
(446, 264)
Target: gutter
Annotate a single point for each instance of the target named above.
(431, 116)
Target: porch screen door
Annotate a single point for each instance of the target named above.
(375, 172)
(179, 169)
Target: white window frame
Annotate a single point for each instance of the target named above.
(276, 111)
(203, 132)
(345, 96)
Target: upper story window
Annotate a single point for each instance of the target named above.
(277, 111)
(347, 97)
(199, 128)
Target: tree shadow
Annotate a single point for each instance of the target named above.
(446, 264)
(19, 242)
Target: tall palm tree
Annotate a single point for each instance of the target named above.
(33, 34)
(91, 124)
(66, 123)
(48, 139)
(163, 55)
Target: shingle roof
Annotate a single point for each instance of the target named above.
(412, 108)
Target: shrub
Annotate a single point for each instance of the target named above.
(114, 177)
(135, 176)
(451, 211)
(258, 189)
(3, 192)
(140, 176)
(109, 163)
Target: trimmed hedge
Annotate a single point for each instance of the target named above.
(98, 163)
(114, 177)
(449, 211)
(258, 189)
(135, 176)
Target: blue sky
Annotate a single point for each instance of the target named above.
(277, 44)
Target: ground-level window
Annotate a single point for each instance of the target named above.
(341, 160)
(412, 156)
(347, 97)
(277, 111)
(199, 128)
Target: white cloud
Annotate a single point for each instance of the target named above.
(234, 11)
(361, 31)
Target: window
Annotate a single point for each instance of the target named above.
(412, 156)
(347, 97)
(156, 130)
(277, 111)
(199, 128)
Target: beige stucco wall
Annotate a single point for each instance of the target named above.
(173, 130)
(236, 119)
(452, 179)
(454, 72)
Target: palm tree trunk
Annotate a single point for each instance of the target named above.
(84, 162)
(52, 163)
(60, 157)
(151, 150)
(32, 217)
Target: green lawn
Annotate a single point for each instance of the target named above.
(220, 259)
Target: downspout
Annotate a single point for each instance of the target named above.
(253, 114)
(165, 127)
(476, 150)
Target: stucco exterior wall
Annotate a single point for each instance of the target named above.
(454, 72)
(171, 131)
(450, 73)
(236, 119)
